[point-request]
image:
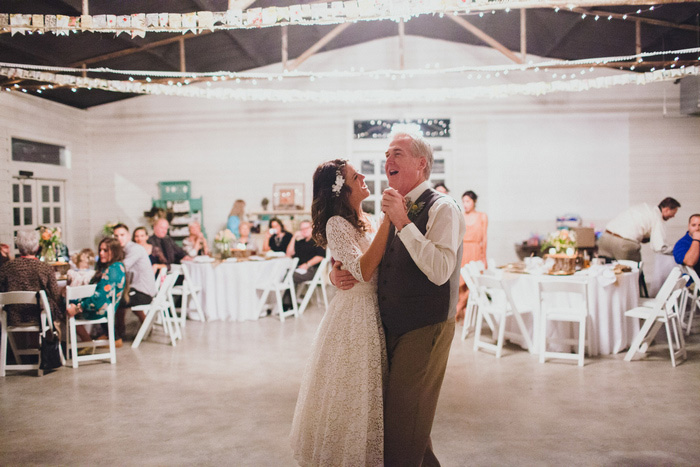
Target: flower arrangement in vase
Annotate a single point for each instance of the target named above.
(49, 243)
(223, 241)
(561, 246)
(562, 241)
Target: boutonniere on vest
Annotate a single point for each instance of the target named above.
(415, 209)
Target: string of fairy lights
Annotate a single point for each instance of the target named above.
(355, 96)
(559, 75)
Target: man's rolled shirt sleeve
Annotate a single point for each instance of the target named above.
(435, 254)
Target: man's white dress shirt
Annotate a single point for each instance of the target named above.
(640, 222)
(435, 253)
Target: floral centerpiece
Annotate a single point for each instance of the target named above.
(223, 241)
(50, 244)
(561, 246)
(562, 241)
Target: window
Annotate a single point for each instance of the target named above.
(41, 153)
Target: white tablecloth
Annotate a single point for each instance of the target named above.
(609, 330)
(228, 289)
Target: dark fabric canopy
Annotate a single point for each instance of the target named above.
(562, 35)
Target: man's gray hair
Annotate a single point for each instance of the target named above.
(419, 148)
(27, 242)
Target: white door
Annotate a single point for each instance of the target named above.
(38, 202)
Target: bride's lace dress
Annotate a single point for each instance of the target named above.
(339, 414)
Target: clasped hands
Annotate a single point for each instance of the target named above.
(394, 209)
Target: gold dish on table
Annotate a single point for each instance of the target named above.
(560, 273)
(518, 267)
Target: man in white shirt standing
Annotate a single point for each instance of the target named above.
(624, 235)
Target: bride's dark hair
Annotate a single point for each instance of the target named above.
(327, 203)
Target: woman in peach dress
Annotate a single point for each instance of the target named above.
(474, 244)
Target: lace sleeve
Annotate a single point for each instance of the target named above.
(342, 241)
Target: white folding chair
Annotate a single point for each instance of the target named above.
(495, 300)
(76, 293)
(160, 277)
(319, 280)
(160, 307)
(665, 291)
(692, 295)
(280, 280)
(575, 311)
(187, 290)
(470, 314)
(664, 313)
(45, 324)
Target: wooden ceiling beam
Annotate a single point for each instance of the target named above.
(318, 45)
(639, 19)
(285, 47)
(135, 50)
(402, 47)
(523, 35)
(485, 37)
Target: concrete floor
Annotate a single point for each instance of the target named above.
(225, 396)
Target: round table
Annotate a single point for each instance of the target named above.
(229, 288)
(610, 331)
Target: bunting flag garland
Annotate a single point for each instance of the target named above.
(357, 96)
(335, 12)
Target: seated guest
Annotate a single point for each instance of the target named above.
(196, 243)
(110, 275)
(236, 216)
(441, 188)
(27, 273)
(687, 249)
(244, 241)
(309, 254)
(142, 284)
(155, 255)
(172, 252)
(4, 253)
(84, 263)
(277, 238)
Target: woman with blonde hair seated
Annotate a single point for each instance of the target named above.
(245, 241)
(236, 216)
(196, 243)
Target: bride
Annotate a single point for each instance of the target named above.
(339, 413)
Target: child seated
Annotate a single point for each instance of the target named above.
(82, 268)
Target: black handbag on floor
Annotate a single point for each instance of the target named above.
(50, 351)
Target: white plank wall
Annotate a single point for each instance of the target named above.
(232, 150)
(27, 117)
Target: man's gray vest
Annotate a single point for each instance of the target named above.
(407, 299)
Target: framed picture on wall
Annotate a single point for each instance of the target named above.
(288, 196)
